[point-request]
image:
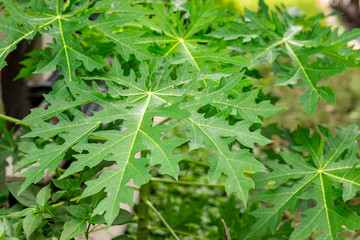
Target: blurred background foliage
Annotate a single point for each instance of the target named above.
(308, 6)
(346, 110)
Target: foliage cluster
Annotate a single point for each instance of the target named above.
(174, 82)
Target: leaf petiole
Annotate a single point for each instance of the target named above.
(162, 219)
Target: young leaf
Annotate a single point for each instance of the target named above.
(310, 74)
(30, 223)
(43, 196)
(64, 25)
(123, 14)
(8, 145)
(246, 106)
(27, 197)
(79, 211)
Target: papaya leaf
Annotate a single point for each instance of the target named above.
(329, 172)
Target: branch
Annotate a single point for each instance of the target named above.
(13, 120)
(163, 122)
(163, 220)
(61, 203)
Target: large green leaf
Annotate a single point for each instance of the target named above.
(145, 102)
(329, 173)
(73, 228)
(31, 223)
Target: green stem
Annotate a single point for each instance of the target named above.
(133, 187)
(163, 193)
(162, 122)
(13, 120)
(87, 232)
(61, 203)
(162, 219)
(96, 228)
(98, 139)
(161, 180)
(179, 232)
(143, 213)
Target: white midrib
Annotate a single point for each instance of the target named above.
(132, 145)
(189, 53)
(65, 48)
(325, 204)
(302, 68)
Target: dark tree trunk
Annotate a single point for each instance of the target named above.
(15, 93)
(350, 12)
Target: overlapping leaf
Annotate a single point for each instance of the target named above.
(268, 35)
(182, 37)
(328, 173)
(137, 113)
(136, 101)
(17, 27)
(64, 22)
(216, 133)
(124, 41)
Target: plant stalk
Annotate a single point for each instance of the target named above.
(61, 203)
(13, 120)
(143, 213)
(162, 122)
(87, 232)
(162, 219)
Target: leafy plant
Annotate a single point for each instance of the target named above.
(174, 85)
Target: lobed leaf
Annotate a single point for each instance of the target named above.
(325, 175)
